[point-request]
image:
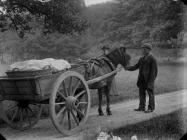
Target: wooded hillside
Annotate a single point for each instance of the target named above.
(67, 29)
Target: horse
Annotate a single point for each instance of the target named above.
(102, 65)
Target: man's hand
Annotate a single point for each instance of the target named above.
(119, 68)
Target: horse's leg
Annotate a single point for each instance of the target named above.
(100, 111)
(107, 93)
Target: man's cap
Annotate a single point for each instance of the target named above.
(147, 45)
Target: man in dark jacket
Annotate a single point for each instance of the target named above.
(148, 70)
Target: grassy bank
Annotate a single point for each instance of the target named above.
(166, 127)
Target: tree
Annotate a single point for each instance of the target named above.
(63, 16)
(47, 28)
(137, 21)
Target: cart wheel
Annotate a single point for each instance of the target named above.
(69, 103)
(20, 115)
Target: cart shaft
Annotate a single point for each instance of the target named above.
(92, 81)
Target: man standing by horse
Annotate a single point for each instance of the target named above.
(148, 70)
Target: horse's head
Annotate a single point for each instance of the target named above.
(119, 56)
(125, 57)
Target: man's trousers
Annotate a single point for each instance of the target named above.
(142, 97)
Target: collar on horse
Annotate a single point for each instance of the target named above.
(100, 61)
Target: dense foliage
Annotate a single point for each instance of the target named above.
(135, 21)
(66, 28)
(48, 28)
(63, 16)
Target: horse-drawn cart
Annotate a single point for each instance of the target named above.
(66, 92)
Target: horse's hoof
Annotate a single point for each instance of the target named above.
(108, 112)
(79, 118)
(100, 112)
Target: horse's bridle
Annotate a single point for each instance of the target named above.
(121, 55)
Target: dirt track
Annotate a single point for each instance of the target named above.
(123, 114)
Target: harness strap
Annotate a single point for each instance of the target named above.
(120, 53)
(108, 61)
(96, 61)
(99, 61)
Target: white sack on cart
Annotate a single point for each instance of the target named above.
(58, 64)
(29, 65)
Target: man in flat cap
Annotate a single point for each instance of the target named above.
(148, 70)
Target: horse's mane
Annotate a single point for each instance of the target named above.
(118, 55)
(114, 56)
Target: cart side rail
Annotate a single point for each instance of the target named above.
(35, 88)
(19, 89)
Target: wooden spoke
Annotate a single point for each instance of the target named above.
(61, 95)
(65, 89)
(27, 116)
(11, 108)
(21, 115)
(70, 86)
(80, 112)
(31, 111)
(17, 119)
(76, 87)
(61, 89)
(84, 103)
(24, 117)
(19, 112)
(61, 111)
(75, 118)
(60, 103)
(14, 115)
(81, 93)
(63, 115)
(69, 120)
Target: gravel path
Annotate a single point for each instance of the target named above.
(123, 114)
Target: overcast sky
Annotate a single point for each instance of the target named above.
(90, 2)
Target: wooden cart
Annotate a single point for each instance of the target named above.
(66, 92)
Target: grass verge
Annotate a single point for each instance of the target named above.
(165, 127)
(170, 78)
